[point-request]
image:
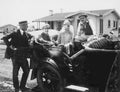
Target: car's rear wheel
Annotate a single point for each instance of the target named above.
(113, 83)
(49, 79)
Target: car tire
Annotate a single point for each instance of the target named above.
(49, 79)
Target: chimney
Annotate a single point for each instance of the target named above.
(51, 12)
(61, 10)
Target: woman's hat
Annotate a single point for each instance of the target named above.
(66, 22)
(46, 26)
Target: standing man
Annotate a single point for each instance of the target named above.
(16, 41)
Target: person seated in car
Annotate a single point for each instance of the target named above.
(44, 37)
(66, 36)
(84, 29)
(113, 37)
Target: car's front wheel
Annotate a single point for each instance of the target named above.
(49, 79)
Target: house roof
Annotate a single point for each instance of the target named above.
(101, 12)
(82, 12)
(96, 12)
(54, 17)
(62, 16)
(105, 12)
(7, 26)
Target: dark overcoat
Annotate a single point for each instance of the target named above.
(16, 40)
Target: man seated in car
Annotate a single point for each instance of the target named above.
(84, 29)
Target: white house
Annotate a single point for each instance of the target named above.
(101, 21)
(9, 28)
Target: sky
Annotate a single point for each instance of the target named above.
(13, 11)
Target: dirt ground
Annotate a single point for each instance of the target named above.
(5, 64)
(5, 72)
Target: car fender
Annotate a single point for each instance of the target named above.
(49, 61)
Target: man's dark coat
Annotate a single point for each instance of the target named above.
(16, 40)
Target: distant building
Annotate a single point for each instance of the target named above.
(55, 20)
(7, 29)
(102, 21)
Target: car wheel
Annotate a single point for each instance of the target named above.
(49, 79)
(113, 84)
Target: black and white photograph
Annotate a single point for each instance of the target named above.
(59, 46)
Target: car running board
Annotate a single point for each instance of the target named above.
(77, 88)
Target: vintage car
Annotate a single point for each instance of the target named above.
(91, 69)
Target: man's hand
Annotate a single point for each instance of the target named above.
(32, 41)
(13, 48)
(49, 42)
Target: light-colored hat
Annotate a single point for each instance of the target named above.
(111, 32)
(22, 22)
(46, 26)
(66, 22)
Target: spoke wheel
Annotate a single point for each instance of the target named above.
(113, 83)
(49, 79)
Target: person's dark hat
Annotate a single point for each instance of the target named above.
(21, 22)
(83, 16)
(46, 26)
(105, 35)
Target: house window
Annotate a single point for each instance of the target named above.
(59, 26)
(51, 24)
(109, 22)
(101, 26)
(114, 23)
(78, 21)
